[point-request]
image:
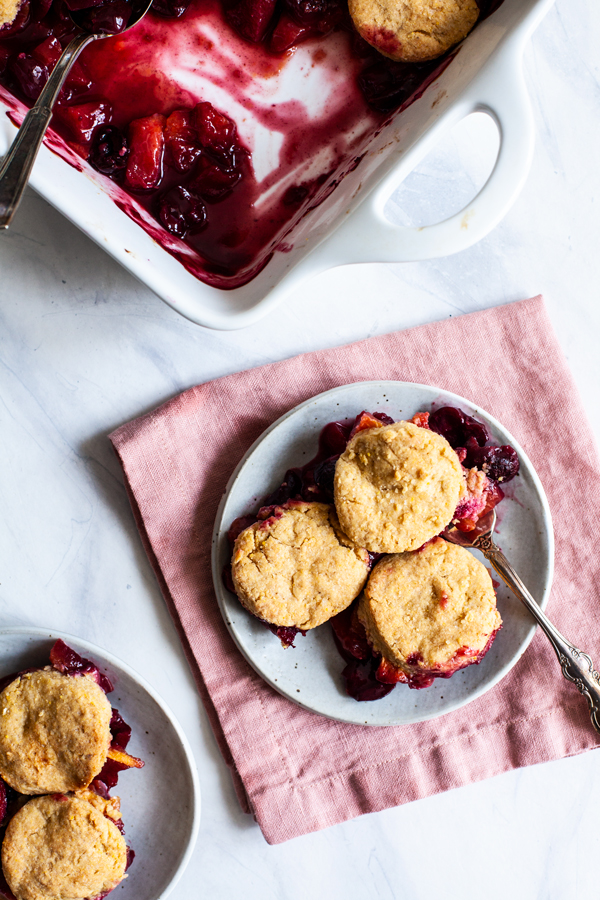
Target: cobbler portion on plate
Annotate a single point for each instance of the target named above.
(63, 745)
(428, 608)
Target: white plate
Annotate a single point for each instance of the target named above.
(310, 674)
(161, 802)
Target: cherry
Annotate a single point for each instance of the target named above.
(181, 212)
(457, 427)
(498, 463)
(109, 152)
(110, 18)
(350, 635)
(361, 681)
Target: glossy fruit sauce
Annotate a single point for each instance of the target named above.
(220, 124)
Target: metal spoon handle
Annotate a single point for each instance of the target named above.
(18, 163)
(576, 666)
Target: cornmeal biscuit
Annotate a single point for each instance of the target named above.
(430, 610)
(54, 732)
(8, 11)
(297, 568)
(62, 848)
(396, 487)
(413, 30)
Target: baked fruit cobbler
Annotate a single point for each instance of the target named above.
(62, 846)
(383, 492)
(413, 30)
(61, 740)
(429, 614)
(190, 118)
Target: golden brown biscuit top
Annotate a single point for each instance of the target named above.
(8, 11)
(54, 732)
(62, 848)
(396, 487)
(432, 603)
(297, 568)
(413, 30)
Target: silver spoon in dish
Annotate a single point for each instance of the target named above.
(18, 163)
(576, 666)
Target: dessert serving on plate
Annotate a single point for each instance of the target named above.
(281, 467)
(428, 608)
(62, 747)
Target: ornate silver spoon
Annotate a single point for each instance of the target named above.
(18, 163)
(576, 666)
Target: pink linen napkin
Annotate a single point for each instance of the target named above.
(294, 770)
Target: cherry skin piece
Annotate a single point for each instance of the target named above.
(217, 133)
(213, 182)
(109, 18)
(30, 75)
(251, 18)
(286, 34)
(48, 52)
(145, 164)
(65, 660)
(181, 141)
(170, 9)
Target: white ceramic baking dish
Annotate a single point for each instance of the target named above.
(349, 226)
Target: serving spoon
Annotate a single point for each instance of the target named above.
(576, 666)
(18, 163)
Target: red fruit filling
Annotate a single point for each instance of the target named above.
(158, 163)
(65, 660)
(369, 676)
(146, 149)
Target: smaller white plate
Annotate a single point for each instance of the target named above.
(310, 674)
(160, 803)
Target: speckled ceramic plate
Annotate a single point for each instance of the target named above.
(310, 673)
(161, 802)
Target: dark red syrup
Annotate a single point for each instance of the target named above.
(136, 107)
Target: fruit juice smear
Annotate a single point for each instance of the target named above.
(219, 124)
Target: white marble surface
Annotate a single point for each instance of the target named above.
(84, 348)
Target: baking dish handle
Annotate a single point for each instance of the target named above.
(368, 236)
